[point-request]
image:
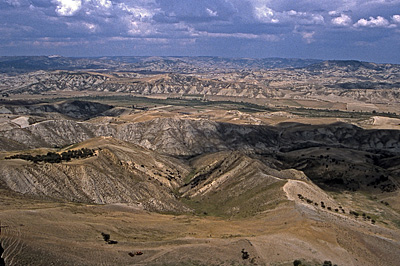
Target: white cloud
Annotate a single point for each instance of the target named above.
(265, 37)
(138, 19)
(79, 26)
(373, 22)
(211, 13)
(102, 3)
(308, 36)
(138, 28)
(265, 14)
(396, 19)
(343, 20)
(91, 27)
(268, 15)
(68, 7)
(314, 19)
(14, 3)
(302, 18)
(139, 13)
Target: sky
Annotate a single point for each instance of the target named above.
(366, 30)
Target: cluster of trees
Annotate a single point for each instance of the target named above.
(300, 263)
(365, 217)
(305, 199)
(309, 201)
(52, 157)
(385, 202)
(377, 181)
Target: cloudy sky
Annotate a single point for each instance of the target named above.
(366, 30)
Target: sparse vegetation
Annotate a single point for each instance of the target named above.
(385, 203)
(327, 263)
(106, 238)
(356, 214)
(245, 254)
(297, 263)
(52, 157)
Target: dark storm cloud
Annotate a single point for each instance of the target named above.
(261, 28)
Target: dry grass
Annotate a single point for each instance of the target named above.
(70, 234)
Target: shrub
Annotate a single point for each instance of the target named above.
(245, 254)
(297, 263)
(106, 237)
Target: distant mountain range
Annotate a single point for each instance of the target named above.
(211, 76)
(21, 64)
(168, 64)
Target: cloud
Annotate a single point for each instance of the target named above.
(343, 20)
(266, 37)
(68, 7)
(71, 7)
(137, 12)
(212, 13)
(102, 3)
(265, 14)
(14, 3)
(207, 26)
(90, 26)
(138, 28)
(83, 27)
(304, 18)
(308, 37)
(377, 22)
(268, 15)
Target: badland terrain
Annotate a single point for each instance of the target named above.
(199, 161)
